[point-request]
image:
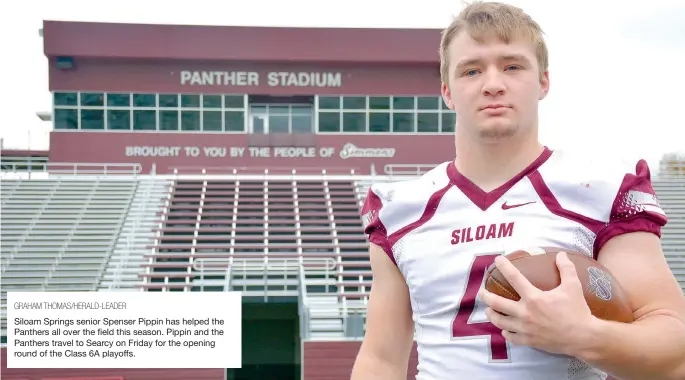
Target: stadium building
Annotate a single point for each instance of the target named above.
(256, 147)
(193, 158)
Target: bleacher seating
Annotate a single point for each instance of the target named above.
(65, 233)
(671, 193)
(58, 234)
(264, 229)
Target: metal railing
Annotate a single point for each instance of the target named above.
(303, 305)
(260, 170)
(262, 262)
(135, 220)
(29, 167)
(227, 280)
(34, 169)
(395, 170)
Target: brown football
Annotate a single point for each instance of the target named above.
(603, 293)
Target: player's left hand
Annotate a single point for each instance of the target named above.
(553, 321)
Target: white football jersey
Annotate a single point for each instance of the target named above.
(442, 232)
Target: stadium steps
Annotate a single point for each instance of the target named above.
(258, 281)
(328, 306)
(58, 233)
(137, 232)
(325, 317)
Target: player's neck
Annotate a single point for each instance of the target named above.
(489, 166)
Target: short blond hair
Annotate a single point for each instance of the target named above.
(482, 20)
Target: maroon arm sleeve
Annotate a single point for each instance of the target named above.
(635, 208)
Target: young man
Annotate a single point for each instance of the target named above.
(433, 238)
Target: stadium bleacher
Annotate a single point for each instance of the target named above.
(271, 235)
(59, 234)
(671, 193)
(75, 233)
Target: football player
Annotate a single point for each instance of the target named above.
(433, 237)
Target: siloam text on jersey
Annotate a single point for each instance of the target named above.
(482, 232)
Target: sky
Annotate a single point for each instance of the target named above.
(617, 67)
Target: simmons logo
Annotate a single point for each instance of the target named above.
(352, 151)
(599, 283)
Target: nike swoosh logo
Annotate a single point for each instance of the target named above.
(505, 206)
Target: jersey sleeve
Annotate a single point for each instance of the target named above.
(373, 225)
(635, 208)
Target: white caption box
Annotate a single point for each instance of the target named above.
(124, 330)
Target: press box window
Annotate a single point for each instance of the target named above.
(329, 121)
(379, 102)
(329, 102)
(234, 101)
(94, 99)
(403, 122)
(428, 121)
(354, 121)
(65, 99)
(66, 119)
(168, 120)
(211, 120)
(354, 102)
(190, 120)
(144, 100)
(190, 101)
(403, 102)
(428, 102)
(118, 100)
(118, 120)
(168, 101)
(235, 121)
(211, 101)
(379, 122)
(92, 119)
(144, 120)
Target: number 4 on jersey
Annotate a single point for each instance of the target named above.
(461, 328)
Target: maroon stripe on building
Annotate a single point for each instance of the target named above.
(234, 43)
